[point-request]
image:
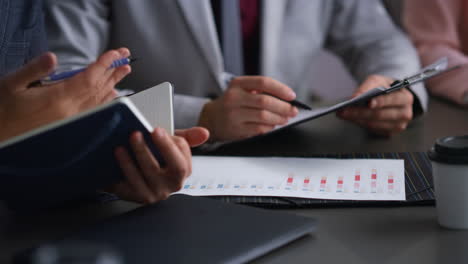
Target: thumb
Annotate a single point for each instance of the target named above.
(195, 136)
(36, 69)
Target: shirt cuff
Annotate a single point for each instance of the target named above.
(187, 110)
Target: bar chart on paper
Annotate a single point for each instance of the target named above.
(341, 179)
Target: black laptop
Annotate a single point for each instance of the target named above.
(185, 229)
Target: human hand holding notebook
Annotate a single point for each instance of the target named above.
(74, 157)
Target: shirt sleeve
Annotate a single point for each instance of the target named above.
(435, 32)
(78, 31)
(368, 42)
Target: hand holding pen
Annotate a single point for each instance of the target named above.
(250, 106)
(295, 103)
(35, 107)
(56, 77)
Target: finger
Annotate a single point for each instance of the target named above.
(384, 128)
(133, 175)
(100, 68)
(175, 160)
(404, 114)
(269, 103)
(113, 75)
(117, 75)
(125, 192)
(264, 85)
(350, 112)
(185, 150)
(149, 166)
(124, 52)
(372, 82)
(110, 96)
(398, 98)
(387, 128)
(264, 117)
(35, 70)
(195, 136)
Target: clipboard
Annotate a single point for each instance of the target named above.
(432, 70)
(437, 68)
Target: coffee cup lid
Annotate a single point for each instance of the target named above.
(452, 150)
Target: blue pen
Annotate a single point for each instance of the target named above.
(55, 77)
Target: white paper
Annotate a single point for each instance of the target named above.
(339, 179)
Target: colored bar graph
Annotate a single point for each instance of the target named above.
(357, 181)
(289, 182)
(323, 183)
(374, 181)
(339, 184)
(306, 184)
(290, 179)
(391, 183)
(340, 179)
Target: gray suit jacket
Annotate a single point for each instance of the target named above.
(176, 41)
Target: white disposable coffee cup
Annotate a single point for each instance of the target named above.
(449, 157)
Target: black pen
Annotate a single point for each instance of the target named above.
(293, 103)
(300, 105)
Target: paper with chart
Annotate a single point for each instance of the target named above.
(339, 179)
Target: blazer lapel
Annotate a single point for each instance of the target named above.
(199, 18)
(271, 25)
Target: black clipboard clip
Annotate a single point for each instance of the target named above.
(432, 70)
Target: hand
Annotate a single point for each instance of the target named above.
(23, 108)
(244, 110)
(148, 182)
(386, 114)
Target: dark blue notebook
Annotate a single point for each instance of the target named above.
(69, 159)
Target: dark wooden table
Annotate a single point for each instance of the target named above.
(345, 235)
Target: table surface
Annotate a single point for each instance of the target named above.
(354, 235)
